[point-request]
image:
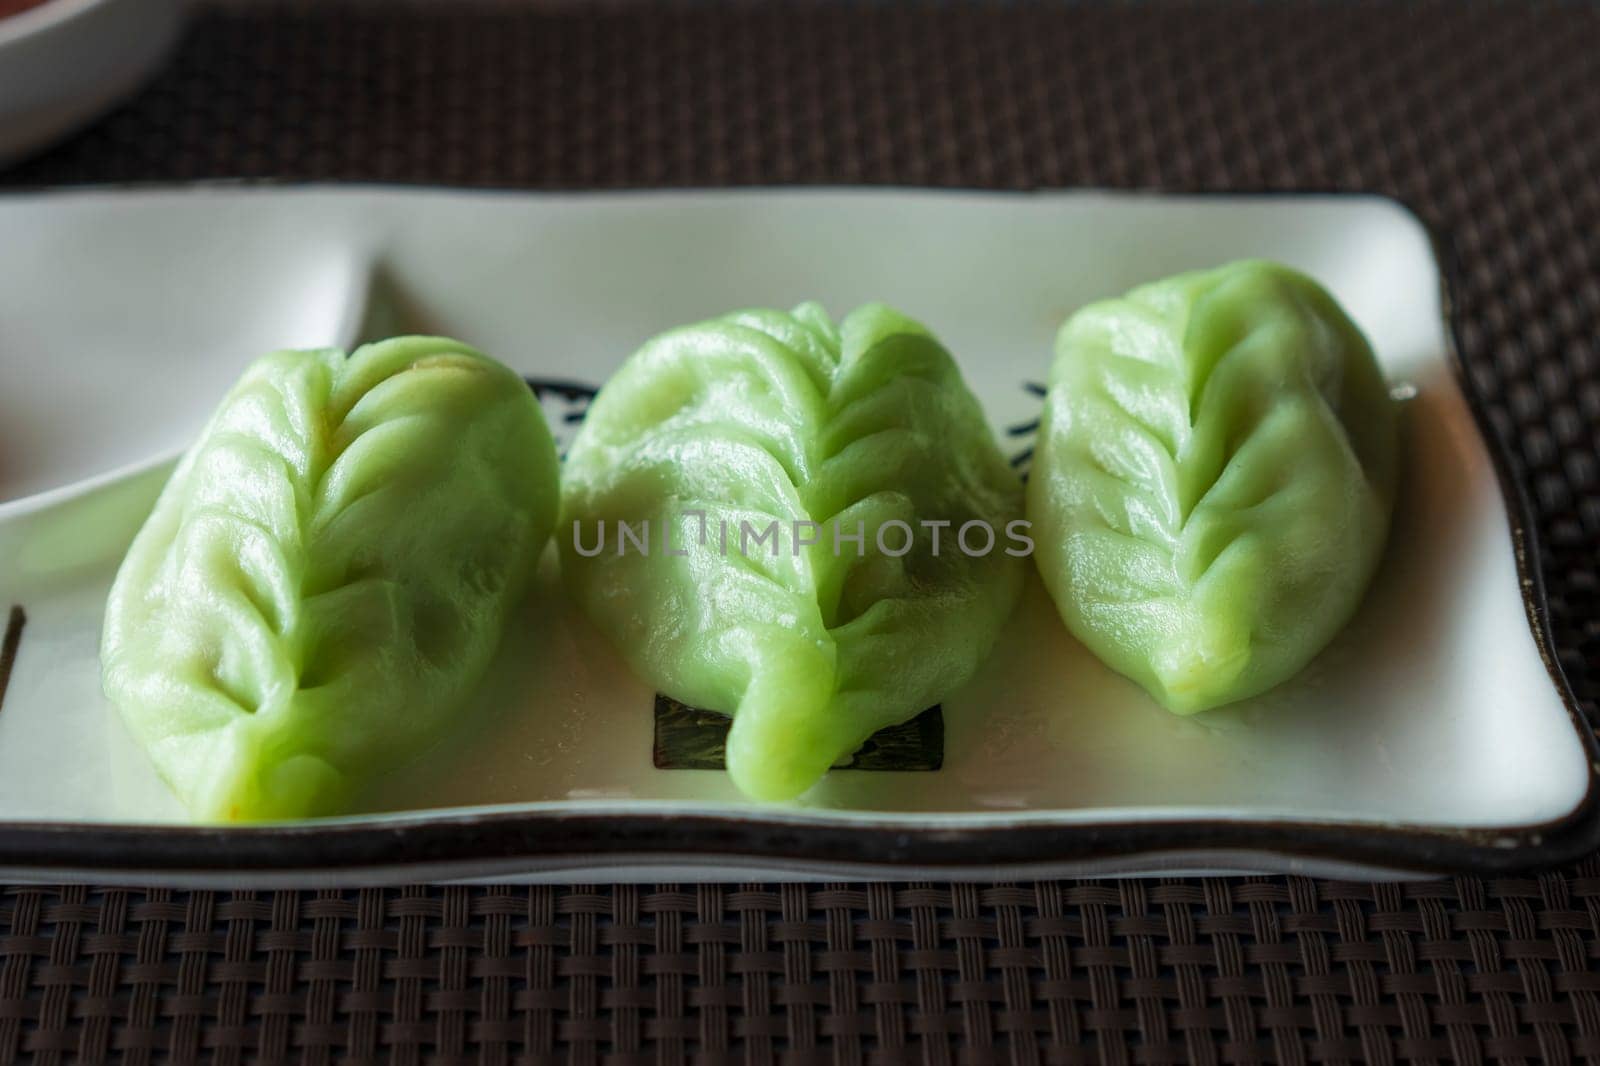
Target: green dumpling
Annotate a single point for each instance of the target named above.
(1213, 479)
(328, 572)
(769, 422)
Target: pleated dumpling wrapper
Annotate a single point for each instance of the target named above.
(732, 438)
(326, 576)
(1213, 479)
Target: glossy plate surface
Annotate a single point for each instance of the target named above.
(1430, 735)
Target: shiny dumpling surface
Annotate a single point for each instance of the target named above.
(1213, 479)
(328, 572)
(764, 417)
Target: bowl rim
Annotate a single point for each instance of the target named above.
(43, 17)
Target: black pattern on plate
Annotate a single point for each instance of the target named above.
(1023, 433)
(565, 403)
(9, 644)
(687, 738)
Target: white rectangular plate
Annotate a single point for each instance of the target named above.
(1433, 734)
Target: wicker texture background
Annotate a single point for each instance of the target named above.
(1486, 120)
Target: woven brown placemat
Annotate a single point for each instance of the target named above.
(1485, 119)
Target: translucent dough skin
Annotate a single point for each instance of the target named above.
(1213, 480)
(762, 416)
(328, 572)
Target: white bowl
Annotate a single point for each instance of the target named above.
(67, 62)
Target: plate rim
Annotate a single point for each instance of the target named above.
(511, 840)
